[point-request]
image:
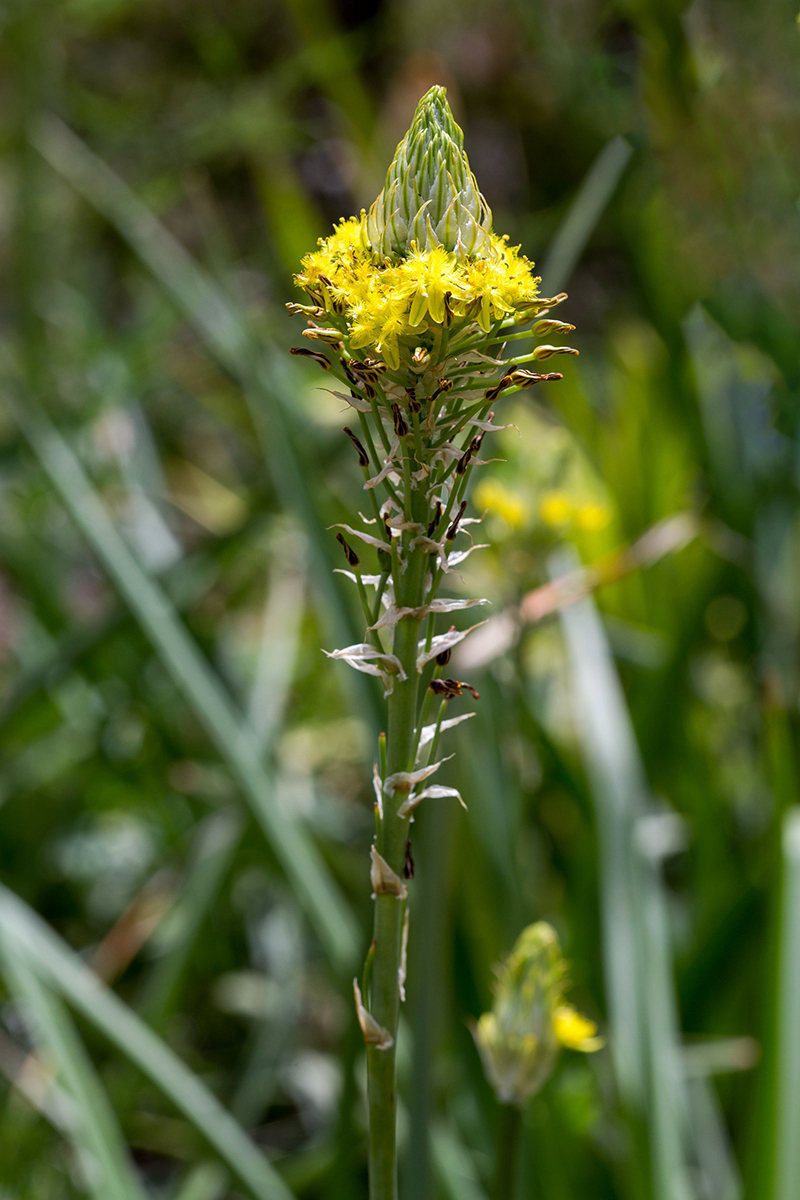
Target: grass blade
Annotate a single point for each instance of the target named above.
(294, 849)
(267, 376)
(454, 1166)
(638, 967)
(583, 214)
(787, 1124)
(217, 840)
(107, 1168)
(207, 1182)
(52, 960)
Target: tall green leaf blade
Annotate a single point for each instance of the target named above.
(201, 688)
(33, 941)
(638, 967)
(266, 374)
(107, 1167)
(787, 1123)
(583, 214)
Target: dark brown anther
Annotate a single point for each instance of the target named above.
(349, 552)
(408, 865)
(444, 658)
(463, 462)
(400, 426)
(453, 530)
(448, 689)
(320, 359)
(448, 312)
(363, 457)
(437, 516)
(475, 444)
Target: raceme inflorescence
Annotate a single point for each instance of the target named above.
(414, 309)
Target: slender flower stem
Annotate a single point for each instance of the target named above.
(384, 1000)
(509, 1129)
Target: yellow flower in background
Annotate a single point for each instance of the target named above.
(520, 1038)
(556, 508)
(592, 517)
(494, 497)
(575, 1032)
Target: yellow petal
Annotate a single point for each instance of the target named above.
(575, 1031)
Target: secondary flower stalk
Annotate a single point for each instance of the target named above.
(520, 1038)
(409, 309)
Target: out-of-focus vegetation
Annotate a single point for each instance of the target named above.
(185, 779)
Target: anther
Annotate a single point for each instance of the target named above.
(444, 658)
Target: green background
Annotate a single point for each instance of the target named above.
(167, 477)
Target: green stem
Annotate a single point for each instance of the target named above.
(384, 999)
(509, 1129)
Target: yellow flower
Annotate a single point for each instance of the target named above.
(556, 507)
(575, 1031)
(424, 258)
(381, 300)
(520, 1038)
(494, 497)
(592, 517)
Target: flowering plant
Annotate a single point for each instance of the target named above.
(411, 307)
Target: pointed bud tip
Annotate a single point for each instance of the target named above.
(430, 197)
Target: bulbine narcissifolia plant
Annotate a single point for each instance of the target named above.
(520, 1038)
(412, 308)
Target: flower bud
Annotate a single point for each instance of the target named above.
(519, 1039)
(430, 197)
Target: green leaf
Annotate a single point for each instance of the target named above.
(34, 943)
(103, 1155)
(787, 1118)
(293, 847)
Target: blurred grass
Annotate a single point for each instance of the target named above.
(163, 166)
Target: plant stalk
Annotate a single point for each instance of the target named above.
(384, 1000)
(509, 1130)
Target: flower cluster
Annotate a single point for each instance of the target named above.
(412, 308)
(391, 305)
(520, 1038)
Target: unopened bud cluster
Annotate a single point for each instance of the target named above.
(430, 197)
(520, 1038)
